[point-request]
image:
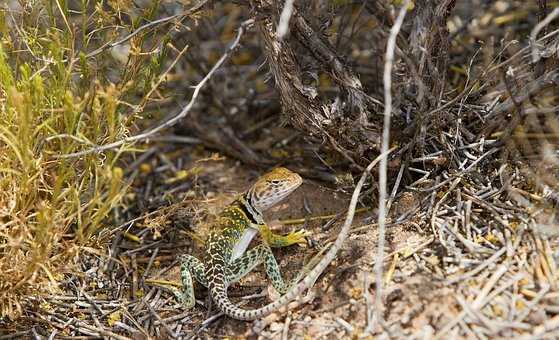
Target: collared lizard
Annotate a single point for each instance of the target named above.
(233, 231)
(221, 269)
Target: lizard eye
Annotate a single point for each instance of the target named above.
(275, 181)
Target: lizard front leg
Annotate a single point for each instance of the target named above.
(278, 241)
(272, 239)
(190, 266)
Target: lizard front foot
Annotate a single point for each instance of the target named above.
(299, 237)
(294, 237)
(278, 241)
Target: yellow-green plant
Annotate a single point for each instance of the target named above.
(53, 101)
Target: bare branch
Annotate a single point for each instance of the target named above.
(534, 34)
(146, 26)
(387, 79)
(283, 26)
(172, 121)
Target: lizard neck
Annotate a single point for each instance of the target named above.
(252, 212)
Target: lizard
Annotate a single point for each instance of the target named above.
(221, 269)
(231, 235)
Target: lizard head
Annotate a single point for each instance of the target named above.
(272, 187)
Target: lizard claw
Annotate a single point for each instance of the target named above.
(299, 237)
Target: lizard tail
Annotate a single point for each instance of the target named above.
(219, 296)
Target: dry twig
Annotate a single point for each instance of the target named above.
(176, 118)
(390, 46)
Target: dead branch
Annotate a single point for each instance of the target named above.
(176, 118)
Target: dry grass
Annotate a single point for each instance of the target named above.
(53, 101)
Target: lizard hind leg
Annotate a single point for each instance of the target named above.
(190, 267)
(259, 254)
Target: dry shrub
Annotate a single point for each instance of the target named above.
(53, 101)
